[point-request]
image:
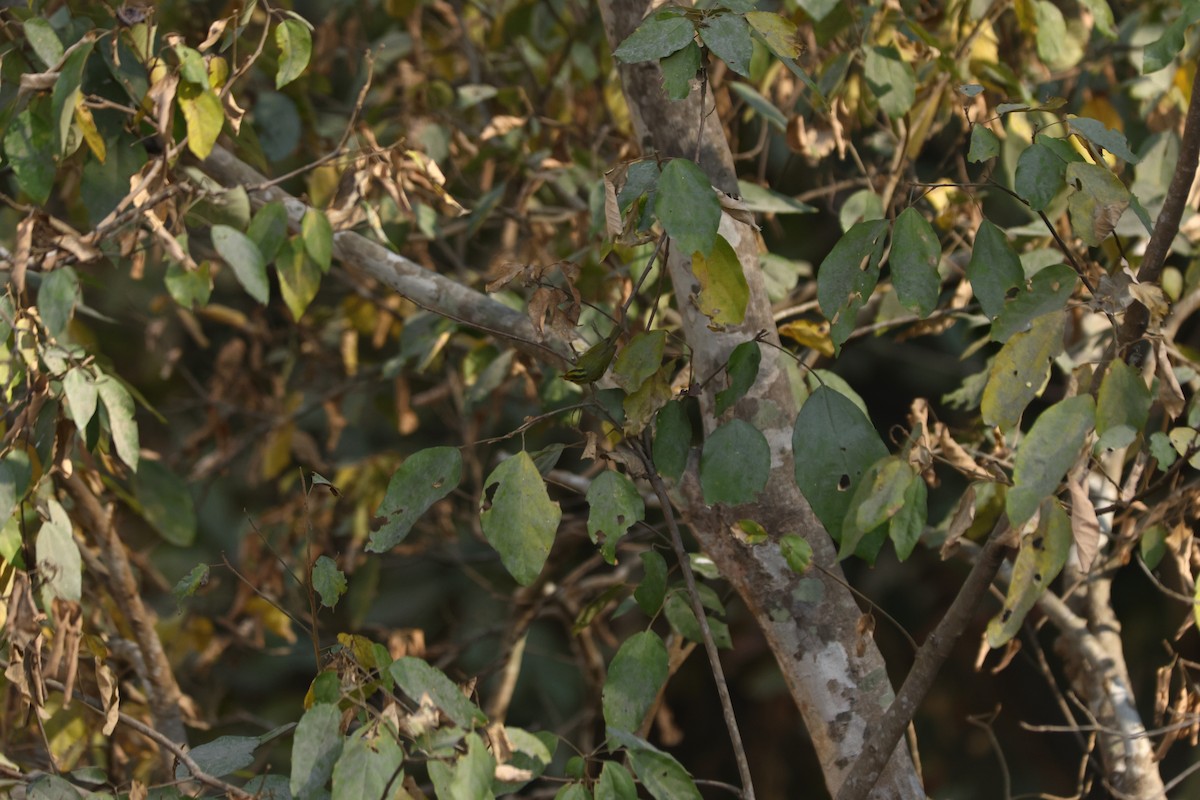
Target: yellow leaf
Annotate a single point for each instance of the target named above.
(813, 334)
(91, 135)
(277, 450)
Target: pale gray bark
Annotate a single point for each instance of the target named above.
(836, 676)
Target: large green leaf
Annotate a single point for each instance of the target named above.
(658, 36)
(1097, 203)
(1122, 406)
(367, 767)
(614, 505)
(891, 79)
(118, 403)
(316, 747)
(26, 142)
(299, 277)
(914, 262)
(417, 677)
(1046, 453)
(615, 783)
(423, 479)
(728, 37)
(1055, 46)
(833, 444)
(1020, 370)
(735, 464)
(469, 776)
(1103, 137)
(66, 94)
(520, 520)
(56, 299)
(672, 439)
(59, 562)
(662, 776)
(687, 207)
(243, 256)
(724, 292)
(44, 41)
(1041, 174)
(295, 49)
(1162, 51)
(1046, 292)
(679, 70)
(848, 275)
(994, 269)
(1041, 557)
(637, 672)
(639, 359)
(269, 229)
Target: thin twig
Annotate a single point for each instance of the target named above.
(710, 647)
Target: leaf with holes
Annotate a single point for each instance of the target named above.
(1097, 203)
(735, 464)
(1041, 557)
(1046, 453)
(614, 505)
(994, 269)
(914, 262)
(519, 520)
(423, 479)
(848, 275)
(724, 292)
(1020, 369)
(833, 444)
(878, 497)
(1045, 293)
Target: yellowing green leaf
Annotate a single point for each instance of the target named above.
(66, 94)
(1041, 557)
(318, 237)
(299, 278)
(1097, 203)
(639, 359)
(1046, 453)
(295, 48)
(1020, 370)
(724, 292)
(204, 115)
(876, 499)
(777, 32)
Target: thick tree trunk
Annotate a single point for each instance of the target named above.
(836, 675)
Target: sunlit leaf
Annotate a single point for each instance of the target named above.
(44, 41)
(317, 234)
(777, 32)
(735, 464)
(658, 36)
(914, 262)
(423, 479)
(1020, 370)
(833, 444)
(1046, 453)
(614, 505)
(205, 117)
(891, 79)
(1055, 46)
(724, 292)
(1103, 137)
(635, 675)
(119, 405)
(295, 48)
(848, 275)
(1041, 557)
(243, 257)
(728, 37)
(59, 562)
(519, 520)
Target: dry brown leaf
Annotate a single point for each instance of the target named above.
(214, 33)
(964, 515)
(1084, 525)
(1170, 394)
(110, 695)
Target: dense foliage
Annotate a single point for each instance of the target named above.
(365, 366)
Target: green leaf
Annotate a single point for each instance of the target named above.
(44, 41)
(26, 142)
(520, 520)
(224, 755)
(994, 269)
(657, 37)
(1041, 174)
(762, 200)
(165, 502)
(204, 115)
(614, 506)
(877, 498)
(1046, 292)
(1102, 17)
(914, 262)
(299, 277)
(1040, 558)
(1097, 203)
(984, 144)
(651, 592)
(66, 94)
(1055, 46)
(777, 32)
(761, 105)
(687, 207)
(678, 611)
(367, 767)
(742, 370)
(908, 523)
(1163, 50)
(679, 69)
(1103, 137)
(1046, 453)
(316, 747)
(1162, 450)
(295, 49)
(891, 79)
(119, 405)
(662, 776)
(797, 552)
(833, 444)
(615, 783)
(818, 9)
(1153, 545)
(639, 407)
(189, 584)
(672, 439)
(243, 256)
(639, 360)
(417, 677)
(192, 68)
(1020, 370)
(637, 672)
(59, 562)
(532, 752)
(1122, 406)
(423, 479)
(318, 238)
(735, 464)
(328, 581)
(728, 37)
(848, 275)
(724, 293)
(269, 229)
(573, 791)
(189, 288)
(1186, 442)
(56, 299)
(469, 777)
